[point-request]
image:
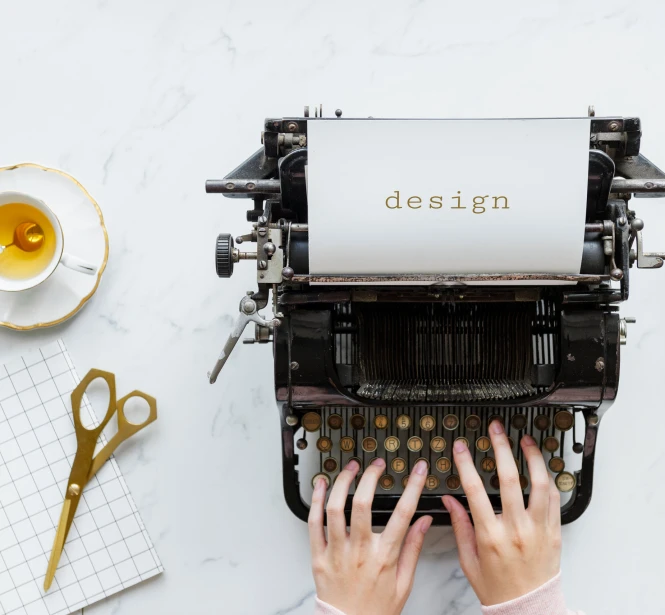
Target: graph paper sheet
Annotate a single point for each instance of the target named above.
(108, 548)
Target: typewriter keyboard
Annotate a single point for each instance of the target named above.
(327, 440)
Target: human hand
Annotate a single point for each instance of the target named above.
(360, 572)
(511, 554)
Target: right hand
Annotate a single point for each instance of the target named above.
(511, 554)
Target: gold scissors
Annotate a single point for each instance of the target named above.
(85, 465)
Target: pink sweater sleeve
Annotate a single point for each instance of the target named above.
(546, 600)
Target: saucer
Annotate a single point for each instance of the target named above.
(66, 291)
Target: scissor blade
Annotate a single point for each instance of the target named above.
(59, 542)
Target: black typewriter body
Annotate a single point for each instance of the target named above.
(379, 369)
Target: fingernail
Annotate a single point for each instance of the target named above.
(421, 468)
(425, 524)
(496, 427)
(320, 485)
(352, 466)
(528, 440)
(459, 446)
(378, 462)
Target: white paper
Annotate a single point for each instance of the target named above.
(108, 548)
(528, 175)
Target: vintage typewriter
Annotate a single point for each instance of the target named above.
(367, 366)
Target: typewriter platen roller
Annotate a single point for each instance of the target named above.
(367, 366)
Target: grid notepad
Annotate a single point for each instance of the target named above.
(108, 548)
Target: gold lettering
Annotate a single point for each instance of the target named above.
(496, 202)
(478, 207)
(435, 202)
(396, 197)
(413, 198)
(459, 202)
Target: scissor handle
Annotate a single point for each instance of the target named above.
(90, 434)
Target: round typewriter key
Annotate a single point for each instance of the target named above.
(472, 422)
(404, 481)
(488, 464)
(524, 482)
(483, 444)
(518, 422)
(542, 422)
(347, 444)
(398, 465)
(432, 482)
(358, 422)
(557, 464)
(495, 417)
(437, 444)
(322, 475)
(422, 459)
(391, 444)
(427, 422)
(311, 421)
(462, 439)
(450, 421)
(403, 421)
(324, 444)
(563, 420)
(578, 447)
(301, 443)
(414, 444)
(387, 482)
(565, 482)
(360, 464)
(330, 465)
(369, 445)
(550, 444)
(335, 421)
(453, 482)
(380, 421)
(443, 464)
(494, 482)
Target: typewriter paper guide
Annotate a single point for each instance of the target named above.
(391, 197)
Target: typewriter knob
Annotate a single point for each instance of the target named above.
(224, 255)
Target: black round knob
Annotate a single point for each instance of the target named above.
(224, 255)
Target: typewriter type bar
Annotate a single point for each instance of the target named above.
(367, 367)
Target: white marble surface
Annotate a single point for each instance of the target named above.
(143, 101)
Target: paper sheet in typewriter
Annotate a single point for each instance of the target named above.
(447, 196)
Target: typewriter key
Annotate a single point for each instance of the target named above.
(524, 482)
(358, 422)
(414, 444)
(518, 422)
(311, 421)
(453, 482)
(380, 421)
(324, 444)
(335, 421)
(432, 482)
(404, 481)
(360, 465)
(550, 444)
(557, 464)
(462, 439)
(483, 444)
(443, 464)
(578, 447)
(542, 422)
(301, 443)
(369, 445)
(347, 444)
(494, 482)
(427, 422)
(563, 420)
(488, 464)
(403, 421)
(391, 444)
(472, 422)
(422, 459)
(330, 465)
(437, 444)
(398, 465)
(565, 482)
(450, 421)
(495, 417)
(322, 475)
(387, 482)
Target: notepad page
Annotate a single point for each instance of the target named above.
(108, 548)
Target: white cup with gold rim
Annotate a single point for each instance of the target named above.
(56, 243)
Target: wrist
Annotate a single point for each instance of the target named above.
(323, 608)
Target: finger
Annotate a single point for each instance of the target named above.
(512, 501)
(361, 512)
(413, 546)
(554, 516)
(317, 537)
(465, 535)
(539, 498)
(399, 521)
(337, 501)
(474, 489)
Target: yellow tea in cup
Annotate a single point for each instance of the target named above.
(18, 264)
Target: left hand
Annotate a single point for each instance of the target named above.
(360, 572)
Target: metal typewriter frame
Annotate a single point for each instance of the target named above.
(273, 177)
